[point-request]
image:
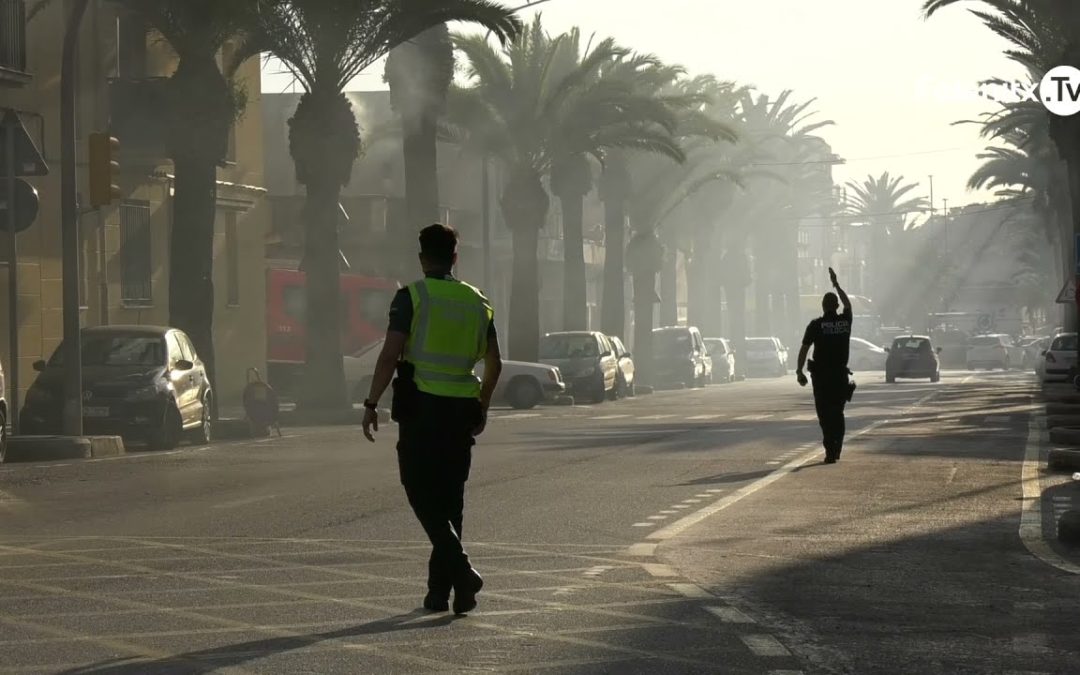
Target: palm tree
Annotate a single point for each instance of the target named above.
(325, 44)
(419, 72)
(536, 107)
(886, 207)
(200, 104)
(1043, 34)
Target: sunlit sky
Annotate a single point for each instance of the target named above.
(869, 64)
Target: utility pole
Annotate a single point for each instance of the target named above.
(69, 235)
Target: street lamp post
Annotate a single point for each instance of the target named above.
(69, 234)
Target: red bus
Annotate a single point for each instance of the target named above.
(365, 302)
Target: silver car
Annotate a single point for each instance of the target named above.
(723, 359)
(585, 359)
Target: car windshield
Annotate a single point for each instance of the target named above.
(671, 342)
(988, 341)
(1064, 343)
(117, 350)
(911, 344)
(715, 347)
(568, 347)
(761, 345)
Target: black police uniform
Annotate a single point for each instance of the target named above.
(435, 440)
(830, 336)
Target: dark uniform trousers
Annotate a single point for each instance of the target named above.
(830, 398)
(434, 456)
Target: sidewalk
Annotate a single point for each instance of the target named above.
(905, 557)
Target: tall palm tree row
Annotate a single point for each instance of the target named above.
(544, 105)
(325, 44)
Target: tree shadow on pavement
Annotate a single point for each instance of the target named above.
(226, 656)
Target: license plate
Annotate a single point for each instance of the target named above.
(95, 412)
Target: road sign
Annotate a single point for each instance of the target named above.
(26, 206)
(1067, 296)
(28, 161)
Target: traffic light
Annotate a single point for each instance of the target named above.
(104, 170)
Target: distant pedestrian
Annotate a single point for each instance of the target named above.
(830, 336)
(440, 328)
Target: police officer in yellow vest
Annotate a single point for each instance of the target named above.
(440, 328)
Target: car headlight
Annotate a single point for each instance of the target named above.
(149, 392)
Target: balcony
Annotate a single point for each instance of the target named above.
(136, 116)
(13, 42)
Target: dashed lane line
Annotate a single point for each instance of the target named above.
(610, 417)
(764, 645)
(642, 550)
(729, 614)
(659, 570)
(690, 590)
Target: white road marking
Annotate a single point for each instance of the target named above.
(753, 418)
(715, 490)
(660, 570)
(657, 517)
(952, 475)
(1031, 529)
(773, 463)
(696, 517)
(703, 417)
(729, 615)
(243, 502)
(703, 494)
(643, 525)
(668, 512)
(609, 417)
(1062, 499)
(516, 416)
(690, 590)
(656, 417)
(764, 645)
(643, 549)
(691, 501)
(680, 506)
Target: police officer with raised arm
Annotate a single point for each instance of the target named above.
(440, 328)
(830, 336)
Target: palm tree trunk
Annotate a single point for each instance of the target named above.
(762, 306)
(644, 301)
(525, 296)
(575, 300)
(191, 256)
(669, 279)
(421, 170)
(525, 205)
(324, 376)
(613, 303)
(736, 297)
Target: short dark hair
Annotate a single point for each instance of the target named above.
(830, 301)
(438, 243)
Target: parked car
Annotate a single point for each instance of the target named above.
(765, 356)
(3, 415)
(585, 359)
(1039, 360)
(865, 355)
(679, 356)
(1032, 350)
(993, 351)
(521, 385)
(954, 345)
(723, 359)
(1059, 358)
(624, 383)
(912, 357)
(145, 383)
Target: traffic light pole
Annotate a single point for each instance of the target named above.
(13, 282)
(69, 234)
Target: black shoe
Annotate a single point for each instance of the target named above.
(830, 460)
(465, 590)
(436, 603)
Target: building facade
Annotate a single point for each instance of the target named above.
(124, 253)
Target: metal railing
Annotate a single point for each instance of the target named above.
(13, 35)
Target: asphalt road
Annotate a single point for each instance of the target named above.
(681, 532)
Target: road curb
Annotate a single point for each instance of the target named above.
(1061, 459)
(328, 418)
(1067, 436)
(1069, 528)
(56, 448)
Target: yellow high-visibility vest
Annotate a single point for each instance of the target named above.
(448, 336)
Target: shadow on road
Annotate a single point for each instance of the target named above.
(211, 660)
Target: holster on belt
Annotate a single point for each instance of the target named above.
(406, 395)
